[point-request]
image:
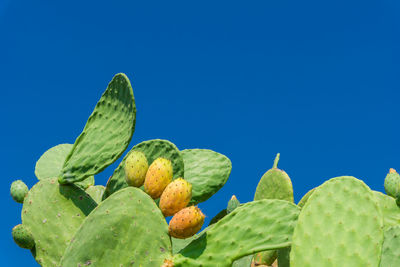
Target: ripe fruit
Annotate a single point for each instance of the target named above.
(158, 176)
(186, 222)
(175, 197)
(18, 191)
(136, 167)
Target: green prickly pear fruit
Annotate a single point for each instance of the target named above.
(232, 204)
(392, 183)
(158, 176)
(22, 237)
(136, 167)
(175, 197)
(18, 191)
(186, 223)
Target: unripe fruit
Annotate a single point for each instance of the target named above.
(392, 183)
(232, 204)
(186, 222)
(136, 167)
(18, 191)
(22, 237)
(175, 197)
(158, 176)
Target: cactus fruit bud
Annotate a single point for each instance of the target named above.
(18, 191)
(136, 167)
(232, 204)
(186, 222)
(22, 237)
(158, 176)
(392, 184)
(175, 197)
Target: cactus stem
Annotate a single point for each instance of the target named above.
(276, 161)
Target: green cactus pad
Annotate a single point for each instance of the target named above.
(253, 227)
(96, 192)
(340, 225)
(51, 162)
(106, 135)
(275, 184)
(207, 171)
(18, 191)
(304, 199)
(126, 229)
(243, 262)
(22, 237)
(52, 213)
(152, 149)
(390, 248)
(389, 208)
(284, 257)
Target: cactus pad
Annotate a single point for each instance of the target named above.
(51, 162)
(246, 230)
(18, 191)
(106, 135)
(152, 149)
(22, 237)
(207, 171)
(52, 213)
(390, 248)
(126, 229)
(340, 212)
(96, 192)
(389, 208)
(304, 199)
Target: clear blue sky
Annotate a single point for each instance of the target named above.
(317, 81)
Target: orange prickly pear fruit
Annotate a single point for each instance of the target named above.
(136, 167)
(186, 222)
(175, 197)
(158, 176)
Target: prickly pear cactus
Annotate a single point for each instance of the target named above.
(106, 135)
(389, 208)
(392, 184)
(390, 248)
(233, 203)
(342, 211)
(152, 149)
(175, 197)
(304, 199)
(23, 237)
(96, 192)
(18, 191)
(158, 177)
(126, 229)
(136, 167)
(186, 222)
(248, 225)
(52, 213)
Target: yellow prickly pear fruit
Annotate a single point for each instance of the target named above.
(186, 222)
(175, 197)
(136, 167)
(158, 176)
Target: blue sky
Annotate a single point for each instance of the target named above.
(317, 81)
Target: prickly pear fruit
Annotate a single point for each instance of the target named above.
(175, 197)
(232, 204)
(186, 222)
(22, 237)
(18, 191)
(392, 183)
(136, 166)
(158, 176)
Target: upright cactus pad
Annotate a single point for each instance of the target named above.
(340, 225)
(106, 135)
(390, 248)
(23, 237)
(152, 149)
(250, 228)
(18, 191)
(51, 162)
(126, 229)
(52, 213)
(207, 171)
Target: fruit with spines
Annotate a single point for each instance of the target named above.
(392, 184)
(18, 191)
(136, 167)
(186, 222)
(233, 203)
(23, 237)
(175, 197)
(158, 176)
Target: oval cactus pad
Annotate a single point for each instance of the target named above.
(152, 149)
(126, 229)
(340, 225)
(52, 213)
(207, 171)
(253, 227)
(106, 135)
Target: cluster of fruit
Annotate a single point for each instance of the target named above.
(174, 195)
